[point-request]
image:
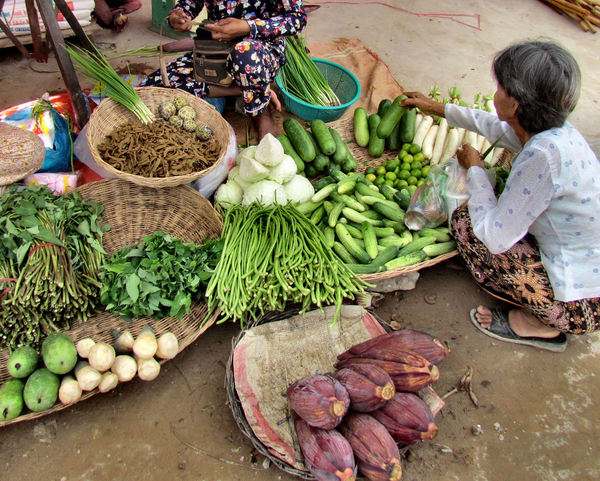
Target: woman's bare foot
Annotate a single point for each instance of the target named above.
(523, 323)
(264, 124)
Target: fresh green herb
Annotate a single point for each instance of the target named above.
(159, 277)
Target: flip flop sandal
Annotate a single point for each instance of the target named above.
(500, 329)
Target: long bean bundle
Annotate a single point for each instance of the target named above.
(272, 257)
(301, 77)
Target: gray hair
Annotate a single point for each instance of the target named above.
(544, 78)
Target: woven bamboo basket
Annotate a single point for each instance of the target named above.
(237, 409)
(21, 153)
(109, 115)
(135, 211)
(345, 128)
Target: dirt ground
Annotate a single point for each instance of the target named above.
(538, 413)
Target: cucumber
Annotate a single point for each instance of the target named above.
(354, 216)
(393, 141)
(406, 260)
(346, 186)
(350, 164)
(323, 136)
(335, 213)
(417, 245)
(310, 171)
(365, 268)
(321, 162)
(386, 255)
(407, 126)
(317, 215)
(349, 201)
(350, 244)
(324, 193)
(307, 207)
(387, 191)
(383, 107)
(328, 207)
(368, 232)
(322, 182)
(354, 231)
(391, 213)
(336, 173)
(370, 200)
(371, 214)
(402, 198)
(439, 235)
(364, 189)
(329, 234)
(343, 254)
(288, 149)
(384, 231)
(394, 240)
(434, 250)
(376, 144)
(391, 118)
(361, 127)
(300, 139)
(341, 149)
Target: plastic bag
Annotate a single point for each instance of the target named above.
(54, 131)
(59, 183)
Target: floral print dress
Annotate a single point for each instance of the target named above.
(255, 61)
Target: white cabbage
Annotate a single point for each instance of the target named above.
(248, 152)
(251, 170)
(228, 194)
(284, 171)
(269, 151)
(299, 189)
(266, 192)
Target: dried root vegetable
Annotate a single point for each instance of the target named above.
(158, 149)
(585, 12)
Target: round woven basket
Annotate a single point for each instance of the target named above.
(133, 212)
(109, 115)
(21, 153)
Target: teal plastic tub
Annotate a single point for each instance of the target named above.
(343, 82)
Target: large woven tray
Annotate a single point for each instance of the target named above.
(135, 211)
(345, 127)
(109, 115)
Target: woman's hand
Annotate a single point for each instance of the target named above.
(467, 156)
(228, 29)
(179, 20)
(426, 104)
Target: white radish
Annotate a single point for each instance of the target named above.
(145, 345)
(440, 139)
(108, 382)
(452, 143)
(168, 346)
(101, 356)
(87, 377)
(83, 346)
(470, 138)
(124, 367)
(496, 155)
(485, 145)
(427, 147)
(418, 119)
(69, 391)
(148, 369)
(479, 142)
(123, 341)
(422, 129)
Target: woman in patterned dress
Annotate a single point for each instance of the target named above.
(538, 244)
(260, 28)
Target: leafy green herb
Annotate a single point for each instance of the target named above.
(159, 277)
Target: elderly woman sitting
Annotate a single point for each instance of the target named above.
(538, 244)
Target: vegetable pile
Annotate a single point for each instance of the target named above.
(159, 277)
(273, 256)
(50, 251)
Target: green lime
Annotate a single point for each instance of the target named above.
(370, 170)
(390, 176)
(416, 165)
(379, 180)
(389, 182)
(405, 166)
(405, 147)
(421, 181)
(392, 164)
(397, 171)
(419, 157)
(416, 173)
(412, 180)
(381, 170)
(412, 189)
(425, 170)
(397, 183)
(371, 177)
(402, 154)
(404, 174)
(401, 183)
(408, 159)
(414, 148)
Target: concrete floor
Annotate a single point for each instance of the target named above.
(538, 411)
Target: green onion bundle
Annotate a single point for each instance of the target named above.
(95, 66)
(301, 77)
(273, 256)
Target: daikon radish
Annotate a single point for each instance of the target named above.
(427, 147)
(83, 346)
(470, 138)
(479, 143)
(145, 345)
(123, 341)
(87, 377)
(124, 367)
(422, 129)
(418, 120)
(484, 146)
(101, 356)
(495, 156)
(108, 381)
(453, 140)
(168, 346)
(440, 139)
(69, 391)
(148, 369)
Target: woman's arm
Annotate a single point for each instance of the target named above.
(501, 223)
(289, 18)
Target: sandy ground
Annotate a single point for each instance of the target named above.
(538, 412)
